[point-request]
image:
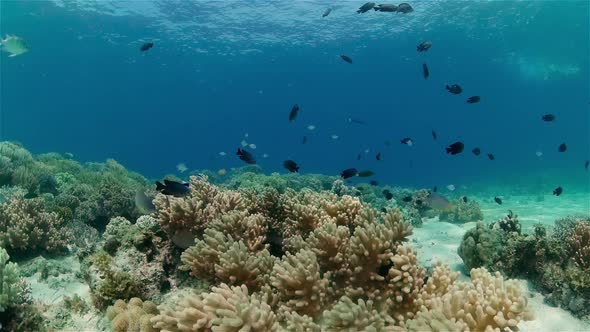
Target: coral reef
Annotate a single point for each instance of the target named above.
(133, 316)
(462, 212)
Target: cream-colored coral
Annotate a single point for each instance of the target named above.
(250, 228)
(225, 309)
(201, 258)
(329, 243)
(349, 316)
(293, 322)
(299, 283)
(134, 316)
(239, 266)
(343, 210)
(487, 303)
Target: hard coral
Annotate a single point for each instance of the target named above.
(134, 316)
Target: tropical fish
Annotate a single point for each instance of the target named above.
(562, 147)
(291, 166)
(146, 47)
(424, 46)
(222, 171)
(498, 200)
(434, 136)
(491, 156)
(365, 174)
(437, 201)
(586, 164)
(455, 148)
(346, 58)
(293, 113)
(144, 203)
(404, 8)
(557, 191)
(435, 189)
(464, 198)
(425, 71)
(373, 183)
(223, 154)
(252, 146)
(14, 45)
(454, 89)
(173, 188)
(181, 167)
(246, 156)
(366, 7)
(311, 127)
(476, 151)
(539, 153)
(391, 8)
(348, 173)
(335, 137)
(358, 156)
(473, 99)
(327, 12)
(407, 141)
(387, 194)
(378, 156)
(451, 187)
(304, 140)
(548, 117)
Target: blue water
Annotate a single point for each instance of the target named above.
(221, 69)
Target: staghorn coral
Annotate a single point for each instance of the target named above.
(226, 309)
(134, 316)
(25, 227)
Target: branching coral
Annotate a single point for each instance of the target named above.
(10, 282)
(134, 316)
(579, 242)
(26, 227)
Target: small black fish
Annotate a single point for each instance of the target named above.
(146, 47)
(424, 46)
(464, 199)
(404, 8)
(407, 199)
(291, 166)
(586, 164)
(473, 99)
(388, 195)
(378, 156)
(435, 189)
(455, 148)
(557, 191)
(476, 151)
(384, 210)
(548, 117)
(348, 173)
(425, 71)
(304, 140)
(373, 183)
(425, 280)
(366, 7)
(327, 12)
(491, 156)
(365, 174)
(434, 136)
(454, 89)
(407, 141)
(30, 195)
(346, 58)
(562, 147)
(386, 8)
(246, 156)
(358, 156)
(293, 113)
(498, 200)
(173, 188)
(384, 269)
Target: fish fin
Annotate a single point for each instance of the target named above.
(160, 186)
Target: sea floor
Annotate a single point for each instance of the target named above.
(434, 241)
(438, 242)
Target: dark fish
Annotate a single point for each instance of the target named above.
(293, 113)
(436, 201)
(434, 136)
(418, 202)
(373, 183)
(246, 156)
(378, 156)
(455, 148)
(173, 188)
(383, 270)
(562, 148)
(304, 140)
(557, 191)
(491, 156)
(424, 46)
(346, 58)
(348, 173)
(387, 194)
(146, 47)
(476, 151)
(407, 141)
(464, 199)
(407, 199)
(274, 239)
(454, 89)
(498, 200)
(358, 156)
(357, 121)
(30, 195)
(327, 12)
(586, 164)
(384, 210)
(473, 99)
(291, 166)
(435, 189)
(404, 8)
(390, 8)
(366, 7)
(425, 71)
(548, 117)
(365, 174)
